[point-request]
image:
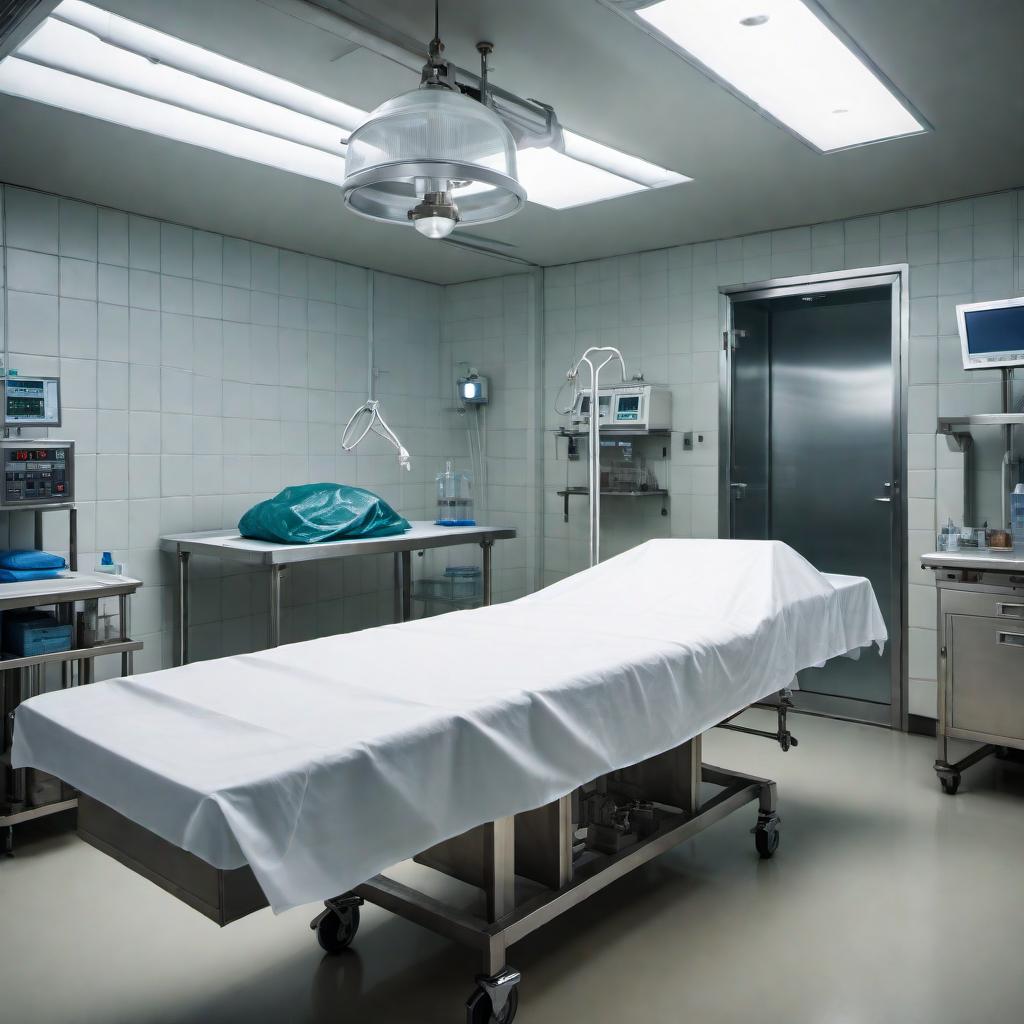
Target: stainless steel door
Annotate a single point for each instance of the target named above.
(814, 438)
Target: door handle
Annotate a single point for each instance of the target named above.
(888, 497)
(738, 491)
(1011, 639)
(1010, 611)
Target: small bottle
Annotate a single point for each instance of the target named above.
(1017, 515)
(108, 565)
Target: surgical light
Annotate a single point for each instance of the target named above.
(410, 156)
(790, 61)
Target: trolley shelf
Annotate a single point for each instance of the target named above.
(76, 654)
(6, 820)
(655, 492)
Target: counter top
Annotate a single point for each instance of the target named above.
(993, 561)
(229, 544)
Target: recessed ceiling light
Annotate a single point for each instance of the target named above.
(560, 181)
(102, 65)
(798, 68)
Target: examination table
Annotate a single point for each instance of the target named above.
(536, 750)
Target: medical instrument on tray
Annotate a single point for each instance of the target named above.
(366, 418)
(633, 407)
(454, 497)
(594, 456)
(37, 473)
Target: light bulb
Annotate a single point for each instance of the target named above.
(436, 215)
(434, 227)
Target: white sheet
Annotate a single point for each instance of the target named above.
(322, 763)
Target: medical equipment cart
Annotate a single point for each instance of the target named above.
(980, 655)
(24, 793)
(231, 546)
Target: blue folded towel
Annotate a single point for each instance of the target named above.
(23, 575)
(21, 558)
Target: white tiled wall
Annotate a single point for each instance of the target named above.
(662, 309)
(494, 326)
(201, 374)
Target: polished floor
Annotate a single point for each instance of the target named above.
(887, 902)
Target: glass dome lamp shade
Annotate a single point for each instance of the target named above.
(432, 147)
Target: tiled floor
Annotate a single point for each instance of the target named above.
(887, 902)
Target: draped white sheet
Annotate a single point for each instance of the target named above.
(322, 763)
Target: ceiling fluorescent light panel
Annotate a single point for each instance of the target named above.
(789, 60)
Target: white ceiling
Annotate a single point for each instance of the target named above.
(958, 63)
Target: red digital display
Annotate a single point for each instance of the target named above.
(24, 455)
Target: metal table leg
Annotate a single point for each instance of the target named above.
(487, 546)
(406, 586)
(122, 615)
(276, 573)
(183, 560)
(403, 586)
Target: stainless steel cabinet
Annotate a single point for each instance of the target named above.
(981, 664)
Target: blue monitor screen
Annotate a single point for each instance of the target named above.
(995, 330)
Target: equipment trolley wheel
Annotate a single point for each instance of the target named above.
(480, 1011)
(336, 926)
(950, 783)
(501, 991)
(766, 834)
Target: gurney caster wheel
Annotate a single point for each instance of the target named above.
(495, 1000)
(766, 839)
(950, 783)
(336, 927)
(479, 1010)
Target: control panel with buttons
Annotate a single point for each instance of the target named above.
(40, 472)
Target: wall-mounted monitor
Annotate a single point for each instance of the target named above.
(32, 402)
(992, 333)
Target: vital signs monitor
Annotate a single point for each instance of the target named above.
(32, 402)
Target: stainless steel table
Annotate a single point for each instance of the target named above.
(232, 546)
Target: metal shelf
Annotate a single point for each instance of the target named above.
(610, 432)
(985, 419)
(72, 587)
(31, 813)
(614, 494)
(75, 654)
(567, 492)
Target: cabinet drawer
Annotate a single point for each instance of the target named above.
(987, 676)
(1008, 606)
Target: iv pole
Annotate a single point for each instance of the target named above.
(594, 461)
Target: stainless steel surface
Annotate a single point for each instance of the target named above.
(487, 573)
(79, 587)
(274, 616)
(993, 560)
(75, 654)
(980, 657)
(608, 354)
(222, 896)
(484, 857)
(229, 545)
(181, 607)
(984, 419)
(806, 387)
(23, 677)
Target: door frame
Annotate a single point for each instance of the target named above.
(897, 277)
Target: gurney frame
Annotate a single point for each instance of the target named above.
(532, 867)
(538, 846)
